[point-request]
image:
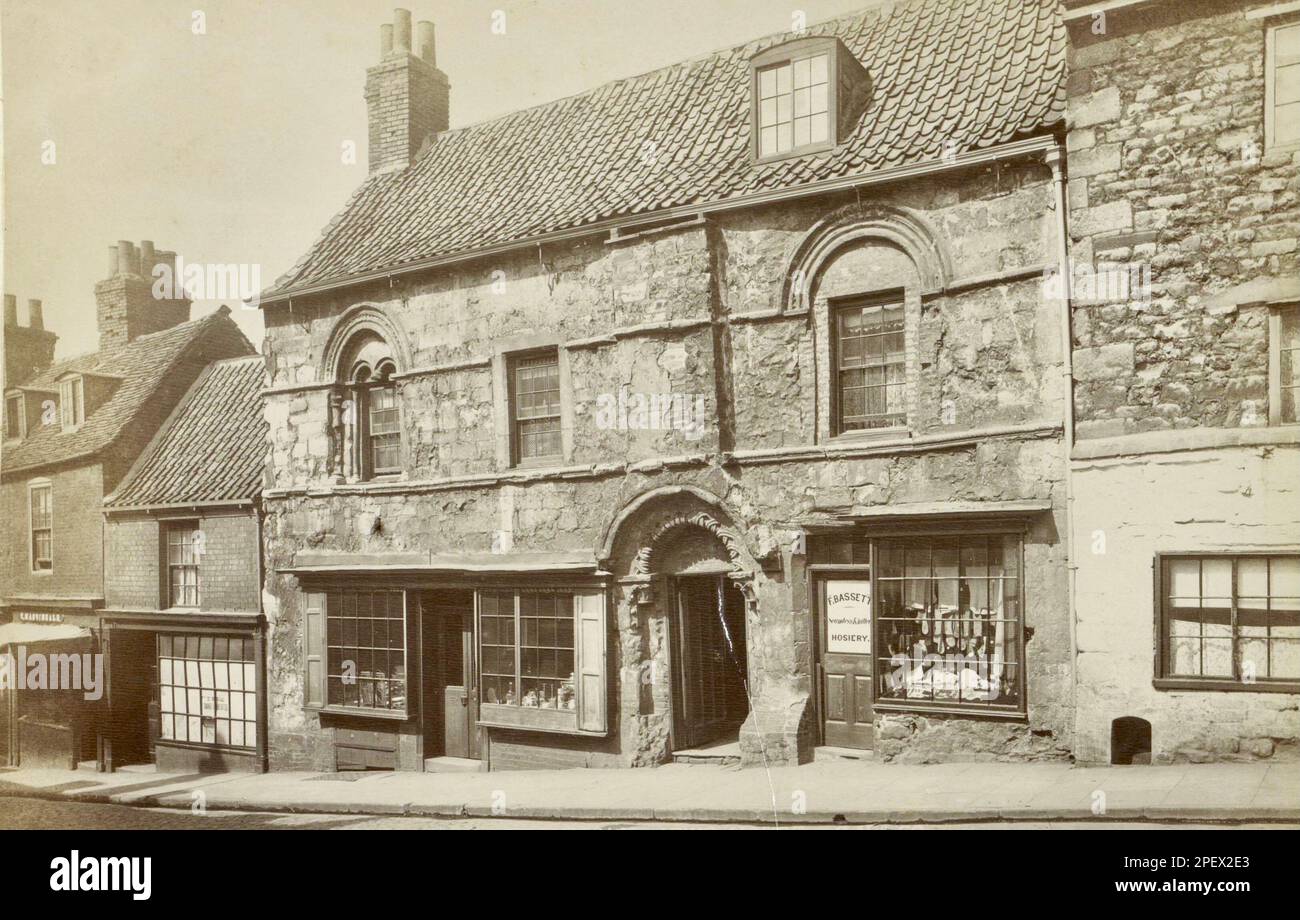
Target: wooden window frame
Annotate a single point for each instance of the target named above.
(789, 53)
(32, 488)
(1275, 382)
(834, 309)
(72, 403)
(254, 719)
(1270, 70)
(512, 364)
(397, 714)
(17, 431)
(187, 528)
(1161, 632)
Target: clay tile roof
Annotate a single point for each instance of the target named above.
(211, 449)
(144, 367)
(942, 70)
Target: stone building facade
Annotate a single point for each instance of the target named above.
(1183, 165)
(597, 489)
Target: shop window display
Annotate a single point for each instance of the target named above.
(207, 687)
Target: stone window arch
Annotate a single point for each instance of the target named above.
(364, 358)
(862, 275)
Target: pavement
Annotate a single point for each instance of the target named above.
(830, 792)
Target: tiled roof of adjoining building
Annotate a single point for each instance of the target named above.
(949, 77)
(212, 448)
(141, 370)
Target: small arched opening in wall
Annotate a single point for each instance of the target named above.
(687, 602)
(1130, 741)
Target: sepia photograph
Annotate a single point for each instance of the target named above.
(855, 415)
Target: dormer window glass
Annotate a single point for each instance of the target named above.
(72, 403)
(15, 420)
(793, 107)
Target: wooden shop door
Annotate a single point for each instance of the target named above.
(845, 622)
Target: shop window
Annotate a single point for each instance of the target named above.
(870, 366)
(948, 622)
(184, 553)
(41, 504)
(1282, 87)
(1229, 622)
(365, 646)
(535, 407)
(207, 690)
(1284, 352)
(541, 659)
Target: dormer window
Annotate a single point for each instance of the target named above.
(808, 95)
(72, 403)
(15, 417)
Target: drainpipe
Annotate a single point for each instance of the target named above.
(1055, 159)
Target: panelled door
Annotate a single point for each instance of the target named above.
(450, 697)
(844, 621)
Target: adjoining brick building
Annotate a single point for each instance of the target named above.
(183, 633)
(719, 405)
(1183, 151)
(72, 430)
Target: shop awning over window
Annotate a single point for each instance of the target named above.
(484, 563)
(31, 633)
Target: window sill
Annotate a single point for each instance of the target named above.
(42, 571)
(1262, 686)
(1011, 714)
(871, 434)
(388, 715)
(807, 151)
(539, 463)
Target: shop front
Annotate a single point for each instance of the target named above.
(921, 626)
(185, 692)
(51, 688)
(428, 668)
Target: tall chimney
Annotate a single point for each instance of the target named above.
(29, 349)
(126, 307)
(407, 96)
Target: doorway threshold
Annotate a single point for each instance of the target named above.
(717, 752)
(827, 752)
(452, 765)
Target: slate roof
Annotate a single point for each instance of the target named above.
(211, 449)
(974, 72)
(146, 366)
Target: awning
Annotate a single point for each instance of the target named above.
(920, 512)
(31, 633)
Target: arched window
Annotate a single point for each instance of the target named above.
(375, 422)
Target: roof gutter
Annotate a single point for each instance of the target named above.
(1039, 144)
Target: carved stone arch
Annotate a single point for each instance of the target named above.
(854, 223)
(644, 563)
(358, 320)
(663, 494)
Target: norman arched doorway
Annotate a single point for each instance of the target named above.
(711, 656)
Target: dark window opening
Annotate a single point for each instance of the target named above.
(1130, 741)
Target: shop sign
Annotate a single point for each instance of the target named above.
(848, 617)
(34, 616)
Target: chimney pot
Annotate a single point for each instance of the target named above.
(147, 256)
(385, 41)
(35, 316)
(402, 31)
(126, 260)
(11, 310)
(424, 42)
(112, 261)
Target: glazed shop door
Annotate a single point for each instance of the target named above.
(844, 598)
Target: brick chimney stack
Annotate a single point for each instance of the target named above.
(407, 96)
(126, 306)
(29, 349)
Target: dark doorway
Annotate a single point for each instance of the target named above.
(132, 697)
(710, 675)
(1130, 741)
(450, 698)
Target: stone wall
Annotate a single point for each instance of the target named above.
(1169, 171)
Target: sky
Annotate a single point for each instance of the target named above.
(216, 128)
